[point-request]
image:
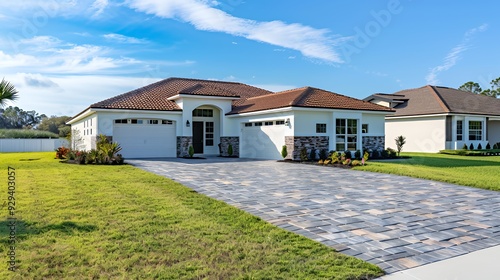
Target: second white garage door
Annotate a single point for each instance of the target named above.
(146, 140)
(262, 142)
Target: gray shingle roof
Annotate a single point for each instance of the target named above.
(438, 100)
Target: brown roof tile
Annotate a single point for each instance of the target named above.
(155, 96)
(305, 97)
(439, 100)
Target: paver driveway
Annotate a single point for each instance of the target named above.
(392, 221)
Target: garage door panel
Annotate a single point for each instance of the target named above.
(141, 141)
(262, 142)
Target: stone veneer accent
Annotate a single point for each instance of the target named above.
(183, 143)
(374, 143)
(234, 141)
(295, 143)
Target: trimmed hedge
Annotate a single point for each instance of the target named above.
(26, 134)
(494, 152)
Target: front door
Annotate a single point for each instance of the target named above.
(198, 137)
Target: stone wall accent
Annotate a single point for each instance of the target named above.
(183, 143)
(373, 143)
(295, 144)
(234, 141)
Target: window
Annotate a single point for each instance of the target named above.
(152, 121)
(209, 113)
(460, 130)
(91, 124)
(166, 122)
(280, 122)
(258, 124)
(475, 130)
(346, 134)
(209, 133)
(268, 123)
(364, 128)
(321, 128)
(121, 121)
(248, 124)
(91, 131)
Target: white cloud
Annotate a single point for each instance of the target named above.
(311, 42)
(454, 55)
(38, 81)
(124, 39)
(99, 6)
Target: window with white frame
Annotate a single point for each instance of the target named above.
(460, 130)
(346, 134)
(475, 130)
(321, 128)
(209, 133)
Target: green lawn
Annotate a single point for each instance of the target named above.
(474, 171)
(119, 222)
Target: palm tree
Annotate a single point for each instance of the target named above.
(7, 92)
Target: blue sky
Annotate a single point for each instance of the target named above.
(63, 55)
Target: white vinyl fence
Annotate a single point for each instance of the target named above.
(31, 145)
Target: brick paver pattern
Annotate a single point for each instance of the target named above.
(392, 221)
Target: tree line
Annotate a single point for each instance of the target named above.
(474, 87)
(17, 118)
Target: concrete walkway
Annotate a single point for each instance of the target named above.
(392, 221)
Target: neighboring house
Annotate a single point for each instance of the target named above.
(165, 118)
(434, 118)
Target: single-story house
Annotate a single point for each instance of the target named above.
(165, 118)
(434, 118)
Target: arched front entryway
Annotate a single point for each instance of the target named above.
(206, 129)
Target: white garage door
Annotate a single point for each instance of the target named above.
(146, 140)
(262, 142)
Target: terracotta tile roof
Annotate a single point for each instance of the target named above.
(439, 100)
(305, 97)
(154, 96)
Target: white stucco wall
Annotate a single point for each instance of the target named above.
(425, 134)
(82, 132)
(375, 122)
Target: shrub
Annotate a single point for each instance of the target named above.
(191, 151)
(496, 146)
(26, 134)
(347, 161)
(303, 154)
(284, 151)
(229, 150)
(471, 147)
(323, 154)
(479, 146)
(357, 154)
(312, 154)
(400, 141)
(92, 157)
(488, 147)
(464, 147)
(392, 153)
(348, 154)
(356, 163)
(80, 157)
(326, 162)
(62, 152)
(384, 154)
(334, 157)
(366, 156)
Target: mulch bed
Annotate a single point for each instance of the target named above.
(337, 165)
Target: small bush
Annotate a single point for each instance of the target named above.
(471, 147)
(464, 147)
(312, 154)
(392, 153)
(348, 154)
(347, 161)
(384, 154)
(323, 154)
(356, 163)
(229, 150)
(191, 151)
(496, 146)
(366, 156)
(284, 151)
(62, 153)
(303, 154)
(357, 154)
(334, 157)
(479, 146)
(488, 147)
